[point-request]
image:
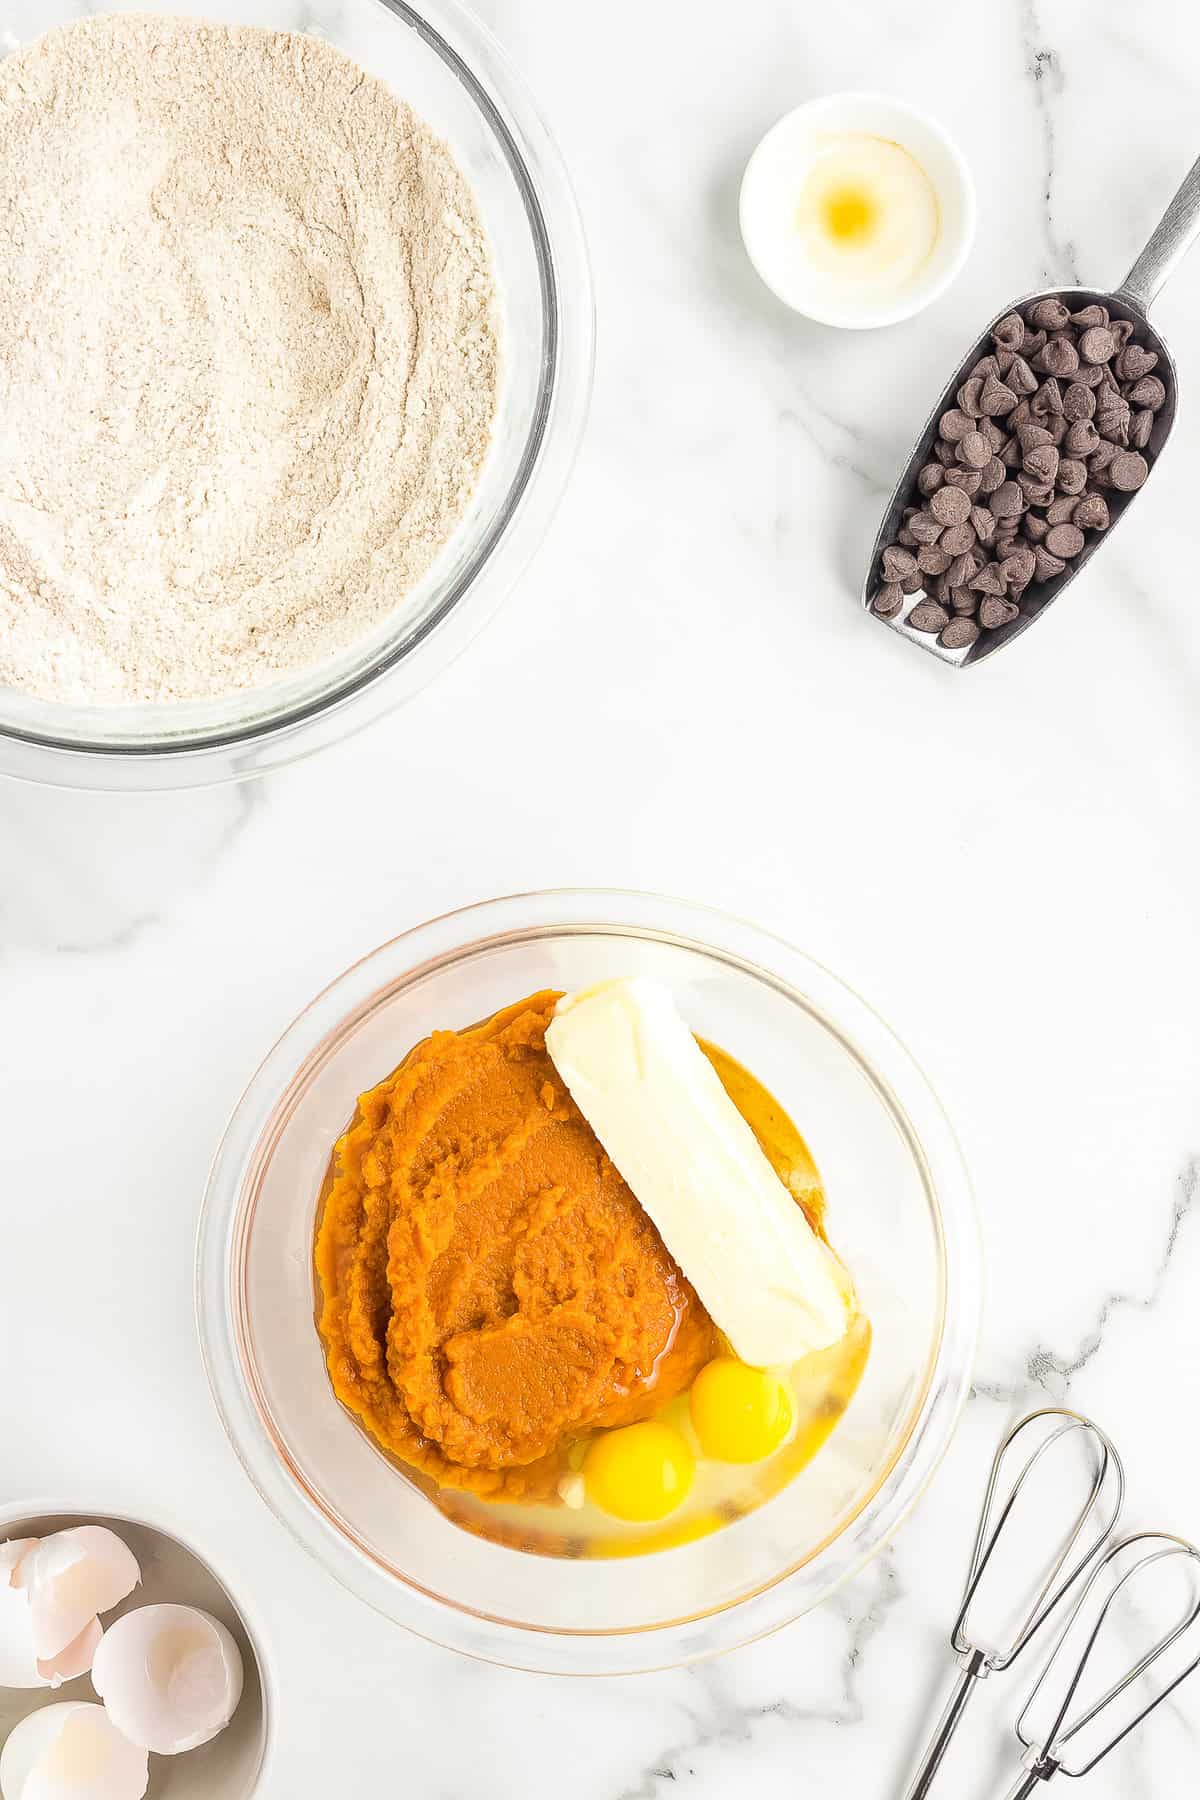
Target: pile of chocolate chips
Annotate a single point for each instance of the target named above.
(1060, 409)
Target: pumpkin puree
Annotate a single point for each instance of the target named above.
(491, 1290)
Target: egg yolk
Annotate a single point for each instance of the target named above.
(639, 1472)
(740, 1414)
(850, 214)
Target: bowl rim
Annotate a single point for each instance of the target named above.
(923, 292)
(175, 755)
(934, 1414)
(39, 1507)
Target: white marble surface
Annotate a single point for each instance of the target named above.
(682, 695)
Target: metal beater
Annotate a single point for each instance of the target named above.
(1042, 1435)
(1049, 1750)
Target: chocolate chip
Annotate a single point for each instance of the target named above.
(924, 527)
(1140, 427)
(933, 560)
(968, 397)
(1060, 510)
(987, 365)
(949, 506)
(1010, 332)
(1072, 476)
(1050, 315)
(1078, 402)
(1008, 501)
(1017, 567)
(912, 584)
(991, 477)
(1021, 378)
(958, 634)
(930, 479)
(1047, 400)
(1033, 437)
(1037, 493)
(996, 399)
(1101, 456)
(904, 536)
(966, 480)
(983, 523)
(1060, 357)
(1149, 391)
(954, 425)
(995, 612)
(1065, 540)
(888, 600)
(962, 600)
(1134, 361)
(957, 540)
(1082, 438)
(1010, 455)
(1090, 315)
(928, 616)
(1046, 563)
(1034, 527)
(1041, 461)
(1097, 345)
(1091, 513)
(897, 563)
(989, 580)
(1128, 471)
(944, 452)
(1090, 375)
(1112, 413)
(974, 450)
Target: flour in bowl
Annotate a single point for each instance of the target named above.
(248, 357)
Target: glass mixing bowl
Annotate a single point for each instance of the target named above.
(900, 1213)
(440, 59)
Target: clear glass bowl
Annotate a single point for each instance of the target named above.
(900, 1212)
(440, 59)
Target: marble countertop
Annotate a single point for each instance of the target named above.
(682, 695)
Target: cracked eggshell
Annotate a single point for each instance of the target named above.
(70, 1578)
(170, 1677)
(71, 1751)
(12, 1555)
(75, 1660)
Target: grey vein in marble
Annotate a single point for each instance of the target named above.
(1045, 73)
(1048, 1369)
(724, 1722)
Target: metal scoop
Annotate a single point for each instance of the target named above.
(1172, 238)
(1046, 1440)
(1065, 1743)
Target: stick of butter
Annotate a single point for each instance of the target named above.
(657, 1105)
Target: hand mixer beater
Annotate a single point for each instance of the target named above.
(1054, 1450)
(1061, 1730)
(1066, 1742)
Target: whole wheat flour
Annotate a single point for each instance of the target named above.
(248, 357)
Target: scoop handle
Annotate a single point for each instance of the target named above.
(1169, 243)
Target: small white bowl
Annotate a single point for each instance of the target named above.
(235, 1764)
(770, 190)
